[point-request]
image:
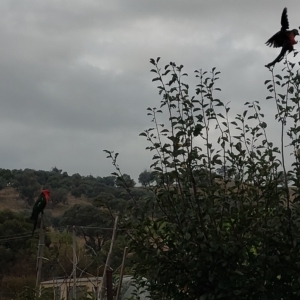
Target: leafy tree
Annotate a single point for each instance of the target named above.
(6, 178)
(42, 176)
(6, 174)
(77, 192)
(3, 184)
(103, 200)
(28, 185)
(54, 181)
(125, 181)
(59, 196)
(146, 178)
(76, 178)
(89, 216)
(80, 190)
(56, 170)
(66, 182)
(29, 192)
(96, 189)
(109, 180)
(15, 241)
(219, 238)
(106, 200)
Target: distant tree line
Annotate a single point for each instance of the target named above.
(28, 183)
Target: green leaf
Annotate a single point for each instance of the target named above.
(155, 79)
(187, 236)
(263, 125)
(238, 146)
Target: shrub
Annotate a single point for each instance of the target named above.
(222, 222)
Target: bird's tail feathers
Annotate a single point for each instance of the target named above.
(34, 216)
(34, 227)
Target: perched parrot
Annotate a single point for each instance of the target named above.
(283, 38)
(39, 206)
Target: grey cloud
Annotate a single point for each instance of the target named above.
(74, 75)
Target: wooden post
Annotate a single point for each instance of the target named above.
(74, 263)
(109, 288)
(108, 259)
(121, 273)
(40, 255)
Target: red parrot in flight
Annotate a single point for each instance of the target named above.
(39, 206)
(283, 38)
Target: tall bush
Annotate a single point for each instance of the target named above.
(222, 222)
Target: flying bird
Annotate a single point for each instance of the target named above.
(283, 38)
(39, 206)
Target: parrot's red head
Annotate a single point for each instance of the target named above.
(46, 194)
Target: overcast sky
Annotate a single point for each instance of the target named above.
(75, 75)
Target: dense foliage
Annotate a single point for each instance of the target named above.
(222, 222)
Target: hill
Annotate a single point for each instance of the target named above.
(10, 199)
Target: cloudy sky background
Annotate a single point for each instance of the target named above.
(74, 74)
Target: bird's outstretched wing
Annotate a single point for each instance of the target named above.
(284, 20)
(277, 40)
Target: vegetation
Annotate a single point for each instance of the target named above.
(99, 198)
(221, 221)
(146, 178)
(215, 217)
